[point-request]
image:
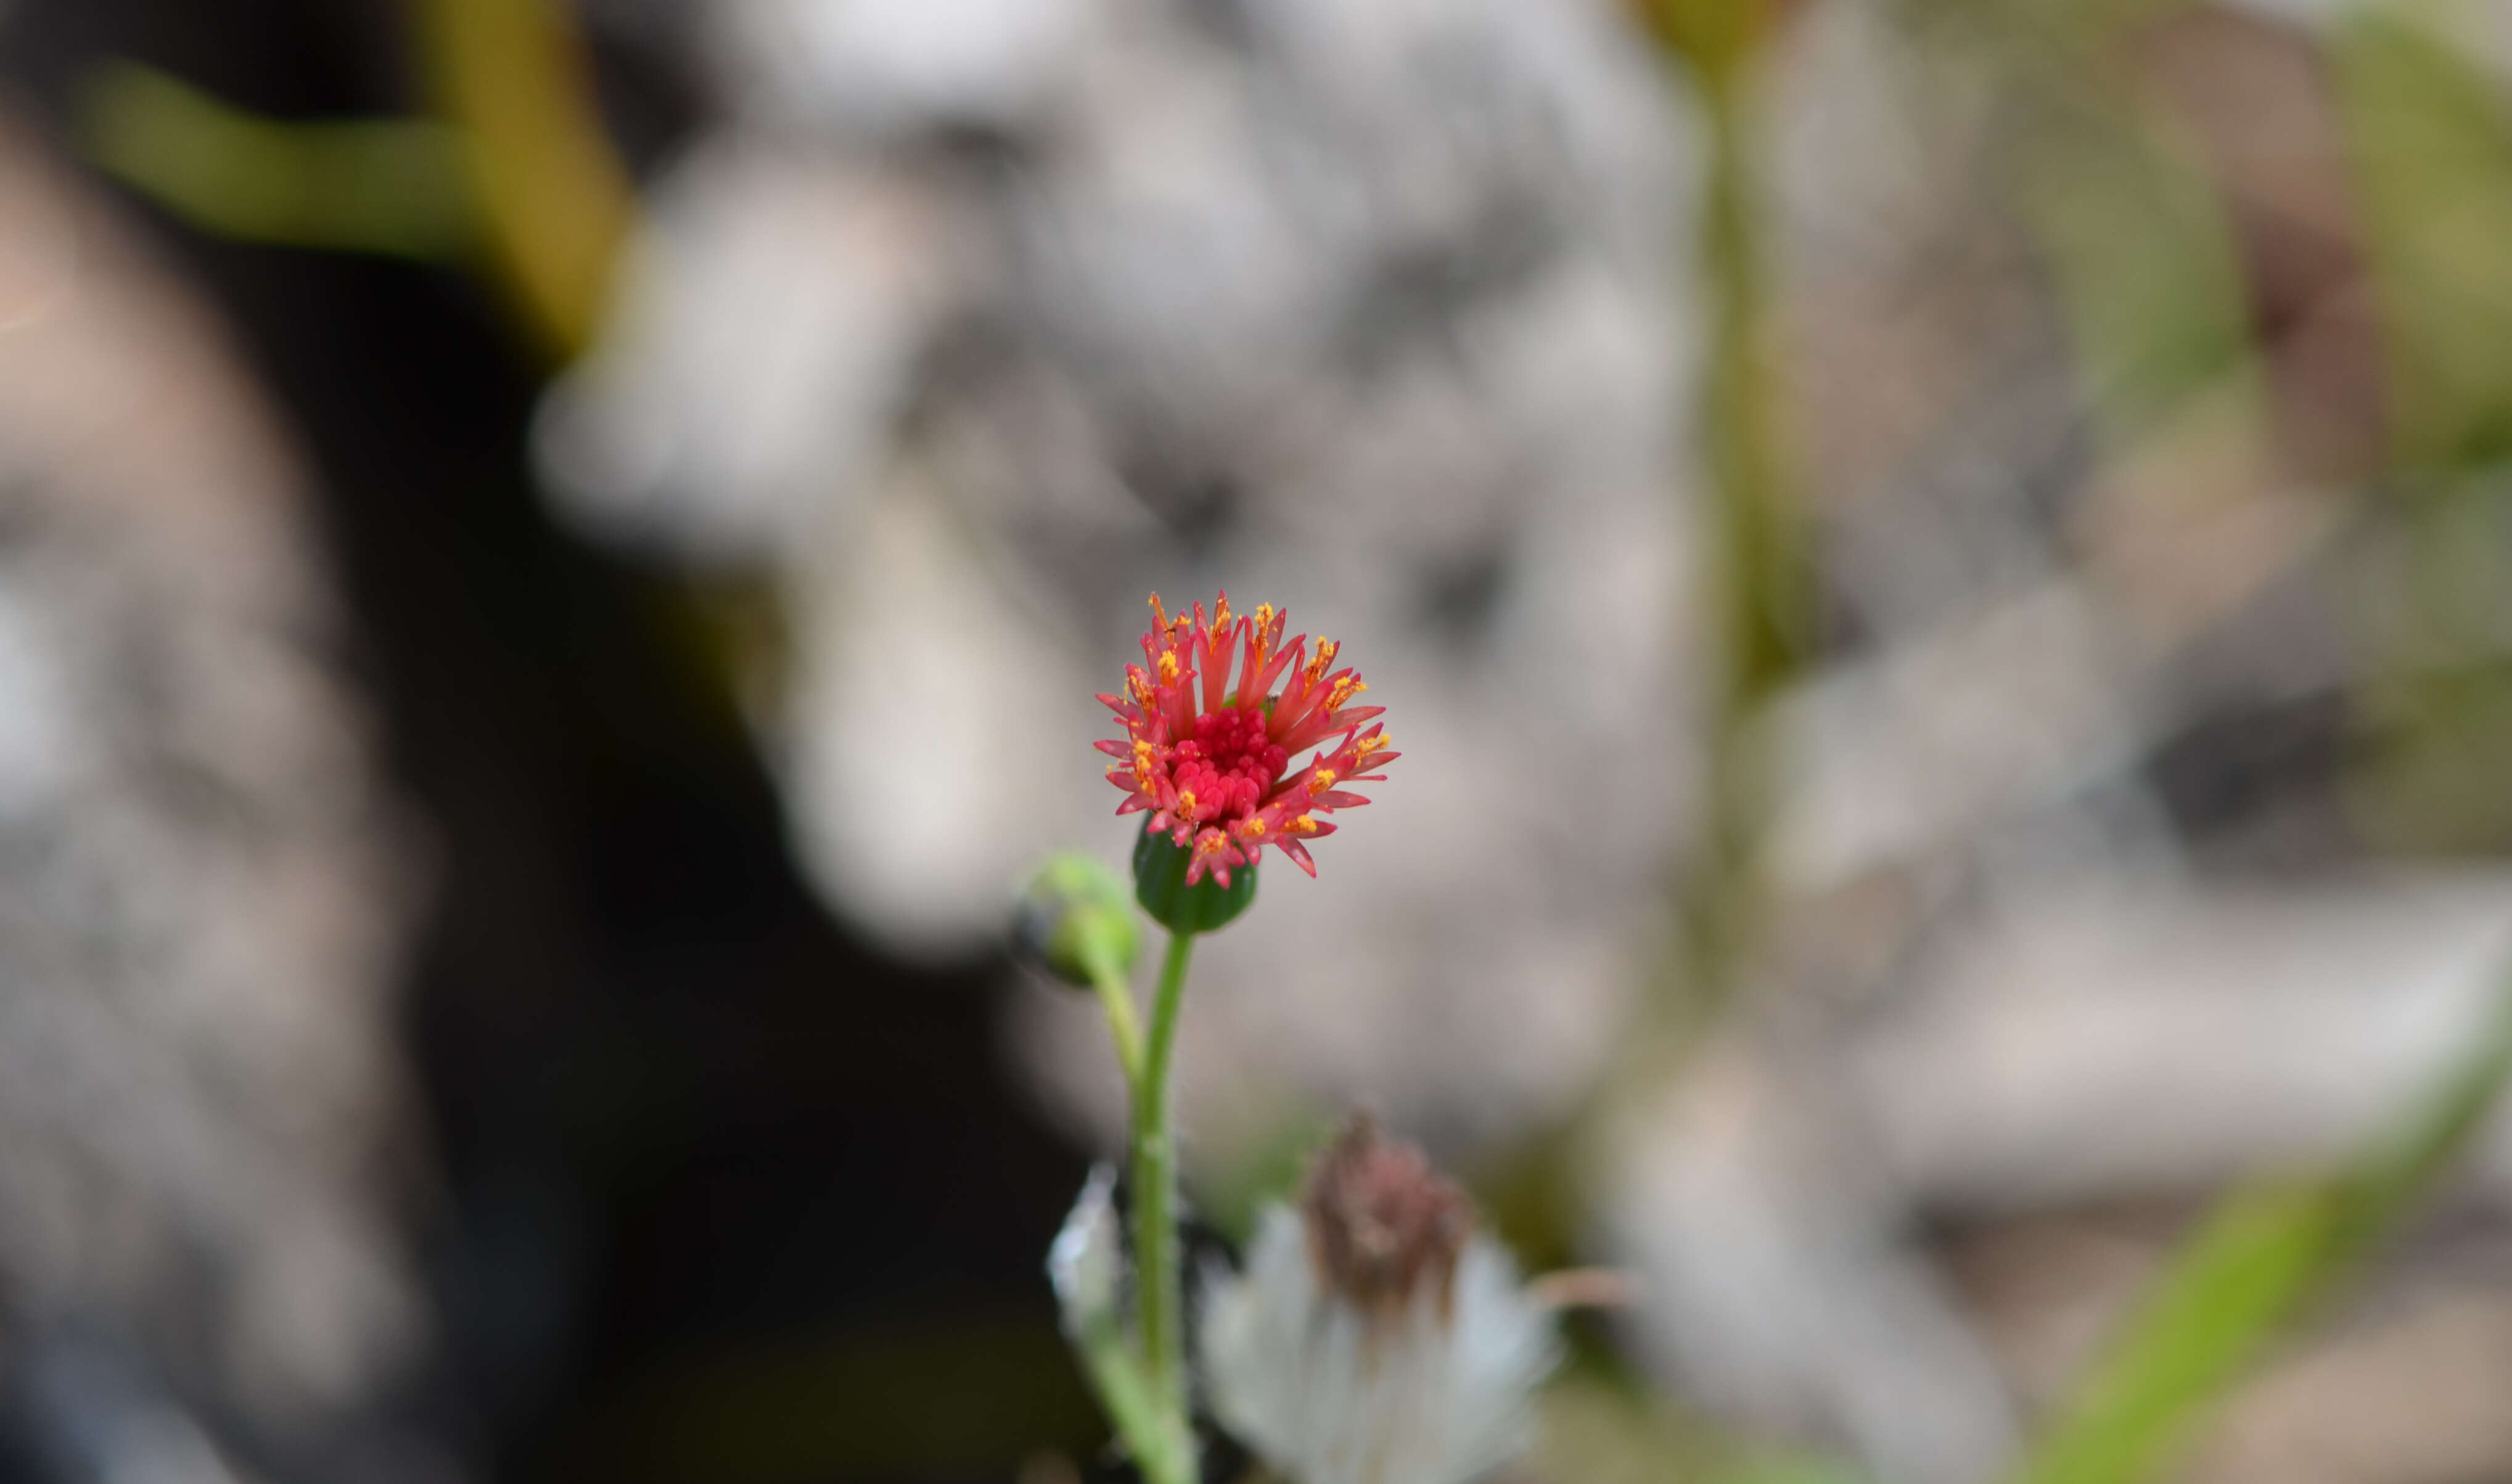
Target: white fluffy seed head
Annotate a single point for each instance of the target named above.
(1436, 1389)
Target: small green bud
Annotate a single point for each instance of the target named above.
(1159, 885)
(1075, 920)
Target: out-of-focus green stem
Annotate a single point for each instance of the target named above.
(358, 185)
(1159, 1288)
(511, 76)
(1755, 578)
(1117, 1001)
(1135, 1408)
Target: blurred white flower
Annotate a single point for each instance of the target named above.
(1375, 1336)
(1087, 1262)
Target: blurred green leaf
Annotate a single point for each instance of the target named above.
(391, 186)
(2429, 130)
(1792, 1469)
(2261, 1261)
(2431, 133)
(2218, 1308)
(2143, 255)
(2434, 715)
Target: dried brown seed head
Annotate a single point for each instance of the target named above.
(1382, 1222)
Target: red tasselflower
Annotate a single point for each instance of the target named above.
(1213, 757)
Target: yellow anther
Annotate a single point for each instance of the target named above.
(1368, 745)
(1185, 801)
(1264, 617)
(1322, 778)
(1252, 828)
(1326, 649)
(1168, 669)
(1345, 690)
(1220, 615)
(1306, 824)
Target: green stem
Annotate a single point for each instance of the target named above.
(1160, 1291)
(514, 78)
(1756, 581)
(1117, 1000)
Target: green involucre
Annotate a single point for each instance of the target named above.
(1159, 885)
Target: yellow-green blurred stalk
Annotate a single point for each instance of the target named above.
(512, 78)
(1756, 574)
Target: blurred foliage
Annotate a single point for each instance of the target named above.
(388, 186)
(512, 78)
(1754, 574)
(2431, 136)
(519, 165)
(2148, 273)
(955, 1398)
(2432, 141)
(2142, 255)
(2255, 1267)
(2133, 234)
(2435, 712)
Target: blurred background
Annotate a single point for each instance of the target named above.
(1943, 569)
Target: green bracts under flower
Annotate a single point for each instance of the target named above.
(1159, 885)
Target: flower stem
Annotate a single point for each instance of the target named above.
(1758, 580)
(1117, 1001)
(1160, 1291)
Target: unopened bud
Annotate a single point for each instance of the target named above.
(1078, 919)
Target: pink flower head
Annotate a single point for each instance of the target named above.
(1213, 757)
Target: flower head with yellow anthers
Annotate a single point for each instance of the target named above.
(1212, 757)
